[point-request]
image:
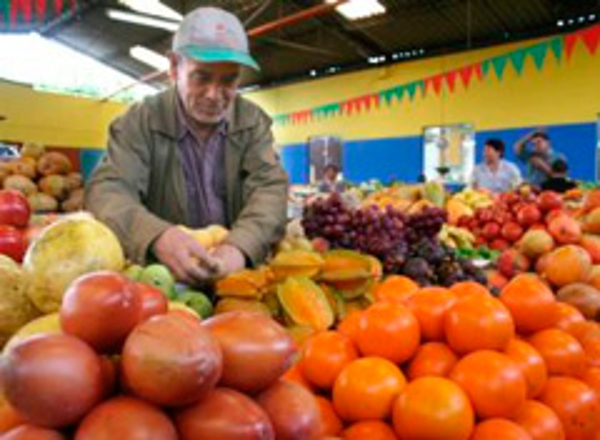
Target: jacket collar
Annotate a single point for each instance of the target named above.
(165, 120)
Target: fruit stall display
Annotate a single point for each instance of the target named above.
(46, 178)
(336, 337)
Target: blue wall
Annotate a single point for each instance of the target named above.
(402, 158)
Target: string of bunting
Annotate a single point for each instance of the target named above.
(30, 12)
(561, 47)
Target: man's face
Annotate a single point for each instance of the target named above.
(206, 89)
(540, 144)
(490, 155)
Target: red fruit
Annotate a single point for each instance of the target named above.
(512, 262)
(499, 244)
(30, 432)
(171, 360)
(14, 209)
(53, 380)
(565, 229)
(591, 243)
(485, 215)
(12, 243)
(293, 411)
(224, 414)
(154, 301)
(136, 420)
(512, 231)
(101, 308)
(554, 214)
(491, 230)
(256, 350)
(528, 215)
(549, 200)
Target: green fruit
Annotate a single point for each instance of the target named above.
(160, 277)
(197, 301)
(133, 272)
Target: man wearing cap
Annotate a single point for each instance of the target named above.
(196, 154)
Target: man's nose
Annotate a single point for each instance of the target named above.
(212, 91)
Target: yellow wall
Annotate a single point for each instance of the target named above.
(565, 92)
(54, 119)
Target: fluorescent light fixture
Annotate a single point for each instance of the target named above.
(152, 7)
(130, 17)
(359, 9)
(581, 19)
(592, 17)
(313, 73)
(149, 57)
(560, 23)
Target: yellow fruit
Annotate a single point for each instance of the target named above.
(48, 325)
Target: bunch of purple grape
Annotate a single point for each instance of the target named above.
(425, 223)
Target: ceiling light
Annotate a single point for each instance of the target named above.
(152, 7)
(422, 51)
(581, 19)
(382, 59)
(150, 57)
(359, 9)
(592, 17)
(560, 23)
(571, 21)
(394, 56)
(142, 20)
(313, 73)
(373, 60)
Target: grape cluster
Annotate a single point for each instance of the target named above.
(405, 244)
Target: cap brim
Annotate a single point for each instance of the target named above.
(219, 56)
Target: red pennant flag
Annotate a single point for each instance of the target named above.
(346, 108)
(40, 10)
(466, 73)
(58, 7)
(437, 84)
(591, 38)
(20, 7)
(451, 80)
(73, 5)
(570, 41)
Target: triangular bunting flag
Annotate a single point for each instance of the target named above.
(591, 38)
(412, 90)
(20, 7)
(40, 10)
(5, 11)
(518, 60)
(570, 41)
(556, 44)
(450, 78)
(466, 73)
(389, 94)
(478, 68)
(435, 83)
(499, 64)
(485, 68)
(538, 53)
(58, 7)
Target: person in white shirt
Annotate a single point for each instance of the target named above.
(495, 173)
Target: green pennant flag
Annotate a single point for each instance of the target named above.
(389, 94)
(499, 64)
(557, 46)
(485, 68)
(518, 59)
(412, 88)
(538, 53)
(5, 11)
(330, 109)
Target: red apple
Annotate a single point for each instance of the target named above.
(512, 263)
(491, 230)
(549, 200)
(512, 231)
(528, 215)
(499, 244)
(12, 243)
(14, 209)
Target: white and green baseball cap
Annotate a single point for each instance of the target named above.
(212, 35)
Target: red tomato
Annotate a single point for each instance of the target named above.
(101, 308)
(126, 418)
(256, 349)
(14, 209)
(171, 360)
(528, 215)
(53, 380)
(29, 432)
(12, 243)
(293, 411)
(224, 414)
(154, 301)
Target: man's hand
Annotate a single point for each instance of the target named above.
(231, 259)
(185, 257)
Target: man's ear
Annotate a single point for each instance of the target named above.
(174, 64)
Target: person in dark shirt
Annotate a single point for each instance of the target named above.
(558, 181)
